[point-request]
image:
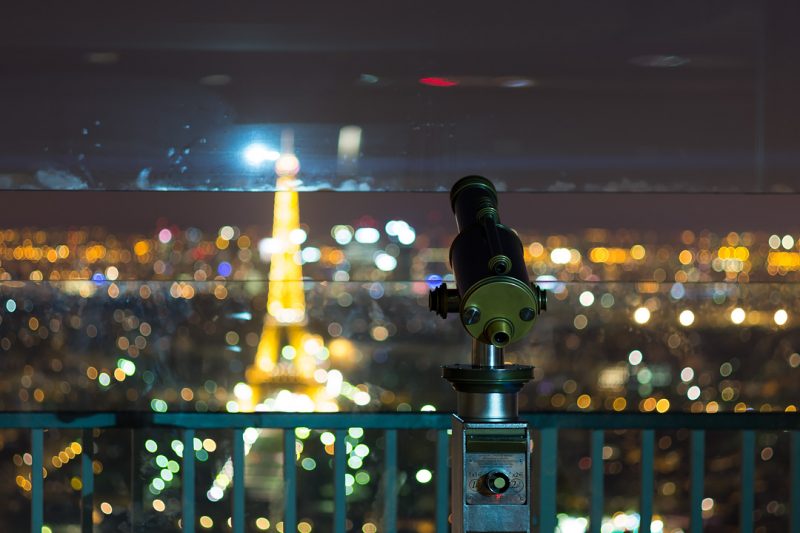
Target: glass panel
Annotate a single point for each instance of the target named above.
(540, 97)
(206, 346)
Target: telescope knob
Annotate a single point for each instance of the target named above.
(497, 482)
(442, 300)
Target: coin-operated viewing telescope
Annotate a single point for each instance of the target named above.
(497, 305)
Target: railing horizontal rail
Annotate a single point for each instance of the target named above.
(392, 420)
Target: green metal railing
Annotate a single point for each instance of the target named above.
(547, 426)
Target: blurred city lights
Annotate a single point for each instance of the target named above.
(738, 315)
(164, 236)
(311, 254)
(342, 234)
(385, 262)
(367, 235)
(400, 229)
(686, 318)
(586, 298)
(424, 475)
(560, 256)
(641, 315)
(298, 236)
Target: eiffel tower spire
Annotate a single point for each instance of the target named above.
(285, 353)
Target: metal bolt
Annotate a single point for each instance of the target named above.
(471, 315)
(527, 314)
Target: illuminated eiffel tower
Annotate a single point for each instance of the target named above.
(286, 357)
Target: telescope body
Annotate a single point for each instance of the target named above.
(494, 298)
(497, 305)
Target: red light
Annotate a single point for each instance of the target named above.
(438, 82)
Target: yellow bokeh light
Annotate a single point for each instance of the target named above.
(662, 405)
(638, 252)
(536, 250)
(584, 401)
(380, 333)
(648, 405)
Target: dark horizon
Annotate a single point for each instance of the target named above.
(137, 211)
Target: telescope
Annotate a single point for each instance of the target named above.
(497, 305)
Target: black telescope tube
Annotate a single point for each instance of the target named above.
(481, 236)
(469, 196)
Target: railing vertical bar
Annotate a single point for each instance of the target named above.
(137, 485)
(794, 506)
(187, 484)
(596, 512)
(390, 482)
(698, 453)
(748, 479)
(87, 480)
(442, 481)
(548, 443)
(37, 480)
(339, 494)
(289, 481)
(237, 517)
(648, 456)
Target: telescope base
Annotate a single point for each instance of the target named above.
(490, 477)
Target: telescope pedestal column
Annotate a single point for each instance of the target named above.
(490, 448)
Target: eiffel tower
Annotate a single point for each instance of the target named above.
(285, 357)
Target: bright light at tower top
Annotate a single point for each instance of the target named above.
(256, 154)
(287, 165)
